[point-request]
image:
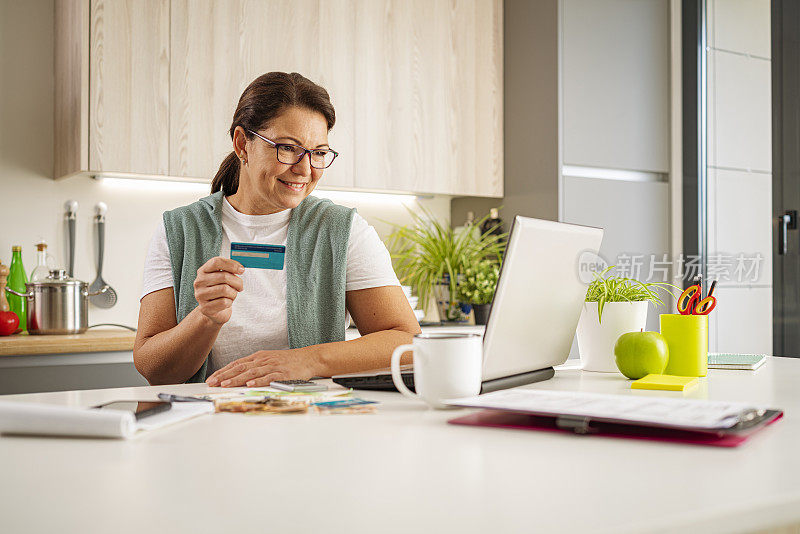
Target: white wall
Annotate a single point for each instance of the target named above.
(32, 202)
(740, 170)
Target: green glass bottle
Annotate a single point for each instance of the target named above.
(16, 281)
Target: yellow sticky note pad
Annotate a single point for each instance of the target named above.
(665, 382)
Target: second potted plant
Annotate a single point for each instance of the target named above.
(477, 287)
(614, 306)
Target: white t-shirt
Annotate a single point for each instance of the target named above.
(258, 321)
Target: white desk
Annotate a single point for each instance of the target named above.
(405, 470)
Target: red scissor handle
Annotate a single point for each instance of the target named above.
(705, 306)
(688, 300)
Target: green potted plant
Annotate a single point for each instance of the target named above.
(614, 305)
(431, 256)
(477, 287)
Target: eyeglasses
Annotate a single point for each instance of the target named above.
(289, 154)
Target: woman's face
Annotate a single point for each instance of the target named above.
(265, 184)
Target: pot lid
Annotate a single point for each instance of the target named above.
(57, 277)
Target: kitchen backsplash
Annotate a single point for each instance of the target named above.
(34, 210)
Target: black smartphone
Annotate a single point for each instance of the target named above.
(139, 409)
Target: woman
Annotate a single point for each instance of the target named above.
(204, 317)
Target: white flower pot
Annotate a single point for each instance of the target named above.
(596, 340)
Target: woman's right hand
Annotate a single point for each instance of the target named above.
(216, 287)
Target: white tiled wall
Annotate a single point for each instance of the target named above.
(743, 320)
(739, 118)
(739, 223)
(740, 26)
(739, 173)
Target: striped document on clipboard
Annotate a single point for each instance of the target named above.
(661, 412)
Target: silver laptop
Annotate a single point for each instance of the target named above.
(534, 312)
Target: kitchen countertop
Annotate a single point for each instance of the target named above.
(117, 339)
(94, 340)
(113, 345)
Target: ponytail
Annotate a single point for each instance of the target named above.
(227, 177)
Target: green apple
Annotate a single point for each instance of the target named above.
(639, 354)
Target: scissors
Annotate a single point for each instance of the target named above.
(691, 301)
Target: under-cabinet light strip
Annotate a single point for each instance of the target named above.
(577, 171)
(193, 184)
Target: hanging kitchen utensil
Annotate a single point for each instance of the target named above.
(71, 207)
(107, 298)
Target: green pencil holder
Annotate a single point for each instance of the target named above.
(687, 338)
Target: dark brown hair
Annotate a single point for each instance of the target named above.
(263, 100)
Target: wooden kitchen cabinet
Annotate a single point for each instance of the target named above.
(218, 48)
(150, 86)
(429, 96)
(112, 86)
(418, 100)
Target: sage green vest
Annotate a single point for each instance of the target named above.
(316, 264)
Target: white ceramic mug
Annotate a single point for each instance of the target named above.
(446, 366)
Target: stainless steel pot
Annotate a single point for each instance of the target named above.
(58, 304)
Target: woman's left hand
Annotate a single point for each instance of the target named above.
(265, 366)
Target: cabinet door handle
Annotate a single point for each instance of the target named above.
(786, 222)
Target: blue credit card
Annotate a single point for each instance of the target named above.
(343, 403)
(258, 256)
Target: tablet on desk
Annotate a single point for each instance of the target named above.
(139, 409)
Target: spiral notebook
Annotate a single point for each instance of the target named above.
(724, 360)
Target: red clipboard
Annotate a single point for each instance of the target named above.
(523, 421)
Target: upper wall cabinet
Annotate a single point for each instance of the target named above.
(429, 96)
(218, 48)
(150, 86)
(112, 86)
(616, 84)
